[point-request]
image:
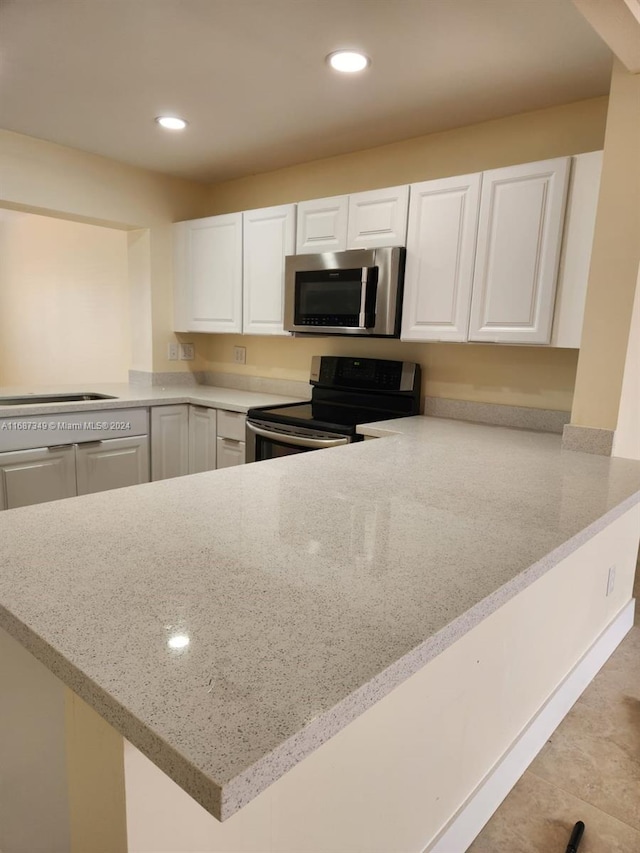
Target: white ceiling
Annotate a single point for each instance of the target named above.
(250, 75)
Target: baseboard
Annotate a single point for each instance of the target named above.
(478, 809)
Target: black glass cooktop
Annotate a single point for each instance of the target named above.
(321, 416)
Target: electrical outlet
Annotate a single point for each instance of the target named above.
(611, 580)
(240, 355)
(172, 352)
(187, 352)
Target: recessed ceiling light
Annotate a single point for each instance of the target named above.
(171, 122)
(348, 61)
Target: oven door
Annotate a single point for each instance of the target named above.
(270, 441)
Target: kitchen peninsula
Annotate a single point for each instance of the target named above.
(331, 652)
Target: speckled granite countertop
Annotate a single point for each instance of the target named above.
(308, 586)
(128, 396)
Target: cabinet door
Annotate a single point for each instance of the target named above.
(230, 452)
(441, 246)
(208, 274)
(169, 441)
(378, 218)
(579, 225)
(34, 476)
(202, 439)
(112, 464)
(322, 225)
(519, 238)
(269, 235)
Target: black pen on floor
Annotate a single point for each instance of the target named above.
(576, 837)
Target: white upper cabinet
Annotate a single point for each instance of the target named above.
(575, 261)
(269, 235)
(378, 218)
(208, 274)
(441, 245)
(322, 225)
(519, 238)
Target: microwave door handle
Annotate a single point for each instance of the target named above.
(362, 318)
(296, 440)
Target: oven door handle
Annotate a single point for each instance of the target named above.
(297, 440)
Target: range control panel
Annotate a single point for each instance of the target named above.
(364, 374)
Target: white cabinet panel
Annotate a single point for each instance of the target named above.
(208, 274)
(33, 476)
(269, 235)
(169, 441)
(579, 225)
(378, 218)
(112, 464)
(230, 452)
(231, 425)
(519, 237)
(441, 245)
(322, 225)
(202, 439)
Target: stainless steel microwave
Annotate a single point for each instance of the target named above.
(357, 292)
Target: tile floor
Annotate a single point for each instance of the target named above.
(589, 770)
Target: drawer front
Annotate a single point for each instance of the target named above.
(24, 432)
(231, 425)
(230, 452)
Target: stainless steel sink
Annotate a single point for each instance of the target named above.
(28, 399)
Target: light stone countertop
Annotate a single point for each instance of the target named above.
(309, 586)
(131, 395)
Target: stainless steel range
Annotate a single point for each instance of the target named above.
(346, 392)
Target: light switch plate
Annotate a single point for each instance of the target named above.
(172, 351)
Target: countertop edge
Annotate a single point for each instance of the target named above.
(149, 399)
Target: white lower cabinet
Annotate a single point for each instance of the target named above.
(34, 476)
(50, 473)
(169, 441)
(190, 439)
(112, 464)
(231, 438)
(230, 452)
(202, 439)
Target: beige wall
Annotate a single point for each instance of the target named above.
(626, 441)
(614, 262)
(41, 177)
(552, 132)
(64, 301)
(527, 376)
(520, 376)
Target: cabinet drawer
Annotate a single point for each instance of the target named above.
(230, 452)
(231, 425)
